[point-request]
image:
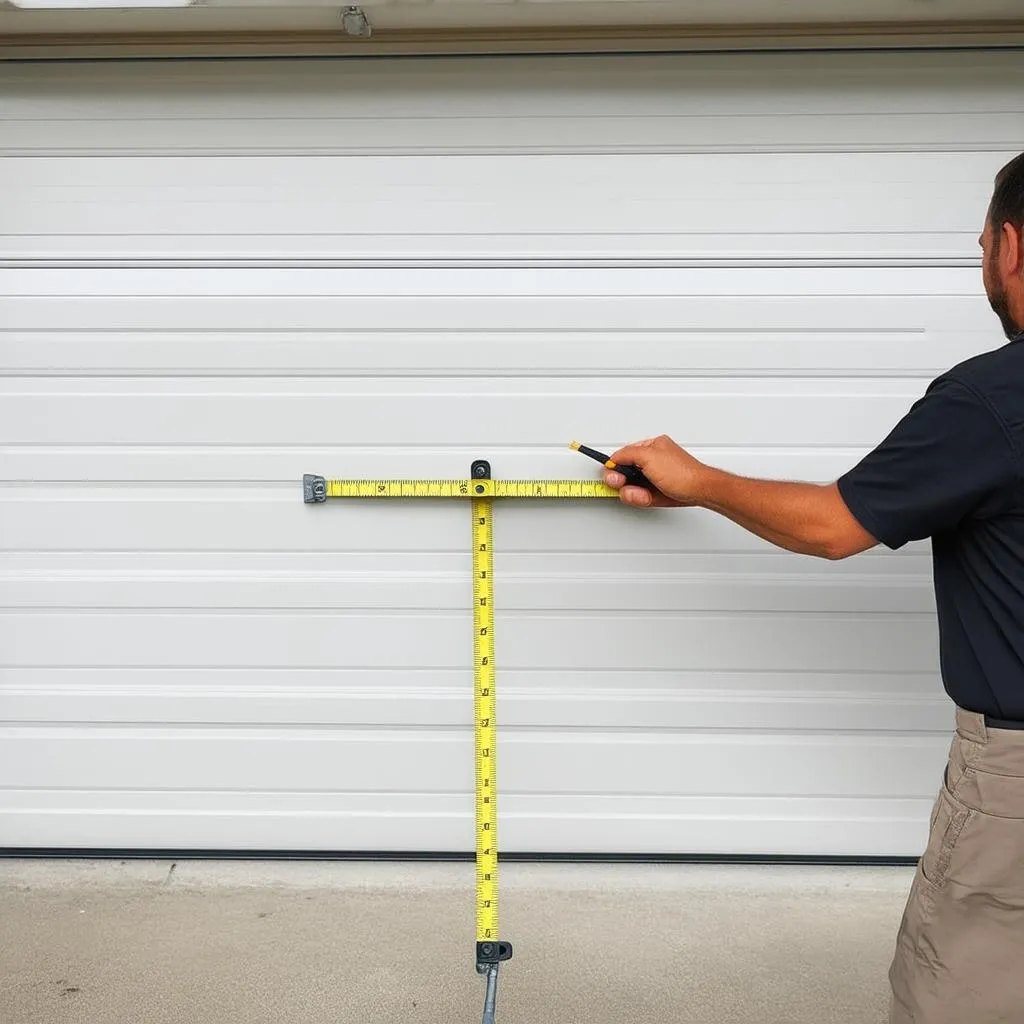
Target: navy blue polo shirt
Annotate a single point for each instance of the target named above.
(951, 470)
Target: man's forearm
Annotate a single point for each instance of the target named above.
(796, 516)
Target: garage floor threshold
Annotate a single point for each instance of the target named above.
(227, 942)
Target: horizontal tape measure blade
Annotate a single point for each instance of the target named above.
(537, 489)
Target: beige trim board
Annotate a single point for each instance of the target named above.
(707, 38)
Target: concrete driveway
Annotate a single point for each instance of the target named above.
(150, 942)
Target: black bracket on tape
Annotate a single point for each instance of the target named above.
(493, 952)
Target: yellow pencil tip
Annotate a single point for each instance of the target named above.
(574, 445)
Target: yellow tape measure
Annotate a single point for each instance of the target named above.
(481, 490)
(464, 489)
(485, 710)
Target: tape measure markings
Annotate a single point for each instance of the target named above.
(485, 709)
(468, 489)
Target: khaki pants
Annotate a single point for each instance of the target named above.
(960, 948)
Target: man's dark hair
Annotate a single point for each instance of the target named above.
(1007, 204)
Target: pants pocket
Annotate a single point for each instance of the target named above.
(950, 818)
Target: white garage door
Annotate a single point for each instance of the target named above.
(223, 275)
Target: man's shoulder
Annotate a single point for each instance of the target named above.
(996, 379)
(987, 373)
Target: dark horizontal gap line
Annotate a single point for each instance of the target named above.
(614, 332)
(458, 373)
(485, 262)
(528, 234)
(918, 379)
(461, 373)
(467, 297)
(551, 52)
(475, 118)
(385, 385)
(440, 449)
(541, 796)
(415, 612)
(220, 551)
(518, 296)
(570, 56)
(369, 264)
(467, 669)
(159, 577)
(504, 614)
(300, 552)
(755, 54)
(454, 670)
(527, 149)
(587, 731)
(116, 576)
(164, 853)
(521, 151)
(913, 377)
(384, 575)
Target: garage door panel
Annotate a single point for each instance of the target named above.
(668, 176)
(417, 822)
(284, 465)
(903, 702)
(928, 247)
(867, 211)
(911, 565)
(680, 352)
(550, 762)
(796, 312)
(435, 286)
(553, 580)
(554, 590)
(295, 414)
(780, 642)
(69, 520)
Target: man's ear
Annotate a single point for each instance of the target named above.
(1011, 249)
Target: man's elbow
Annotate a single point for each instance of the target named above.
(840, 534)
(841, 543)
(835, 550)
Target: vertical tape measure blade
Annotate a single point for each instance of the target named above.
(485, 708)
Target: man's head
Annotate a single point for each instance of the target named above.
(1002, 243)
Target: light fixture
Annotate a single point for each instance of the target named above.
(92, 5)
(355, 22)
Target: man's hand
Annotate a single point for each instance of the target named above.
(677, 475)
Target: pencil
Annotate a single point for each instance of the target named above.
(633, 475)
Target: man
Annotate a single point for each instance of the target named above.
(952, 470)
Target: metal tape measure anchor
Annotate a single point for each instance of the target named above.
(481, 491)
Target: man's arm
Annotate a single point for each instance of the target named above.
(811, 519)
(950, 458)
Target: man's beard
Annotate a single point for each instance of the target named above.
(999, 301)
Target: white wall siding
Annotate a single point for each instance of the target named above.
(217, 277)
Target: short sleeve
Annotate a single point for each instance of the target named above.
(949, 457)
